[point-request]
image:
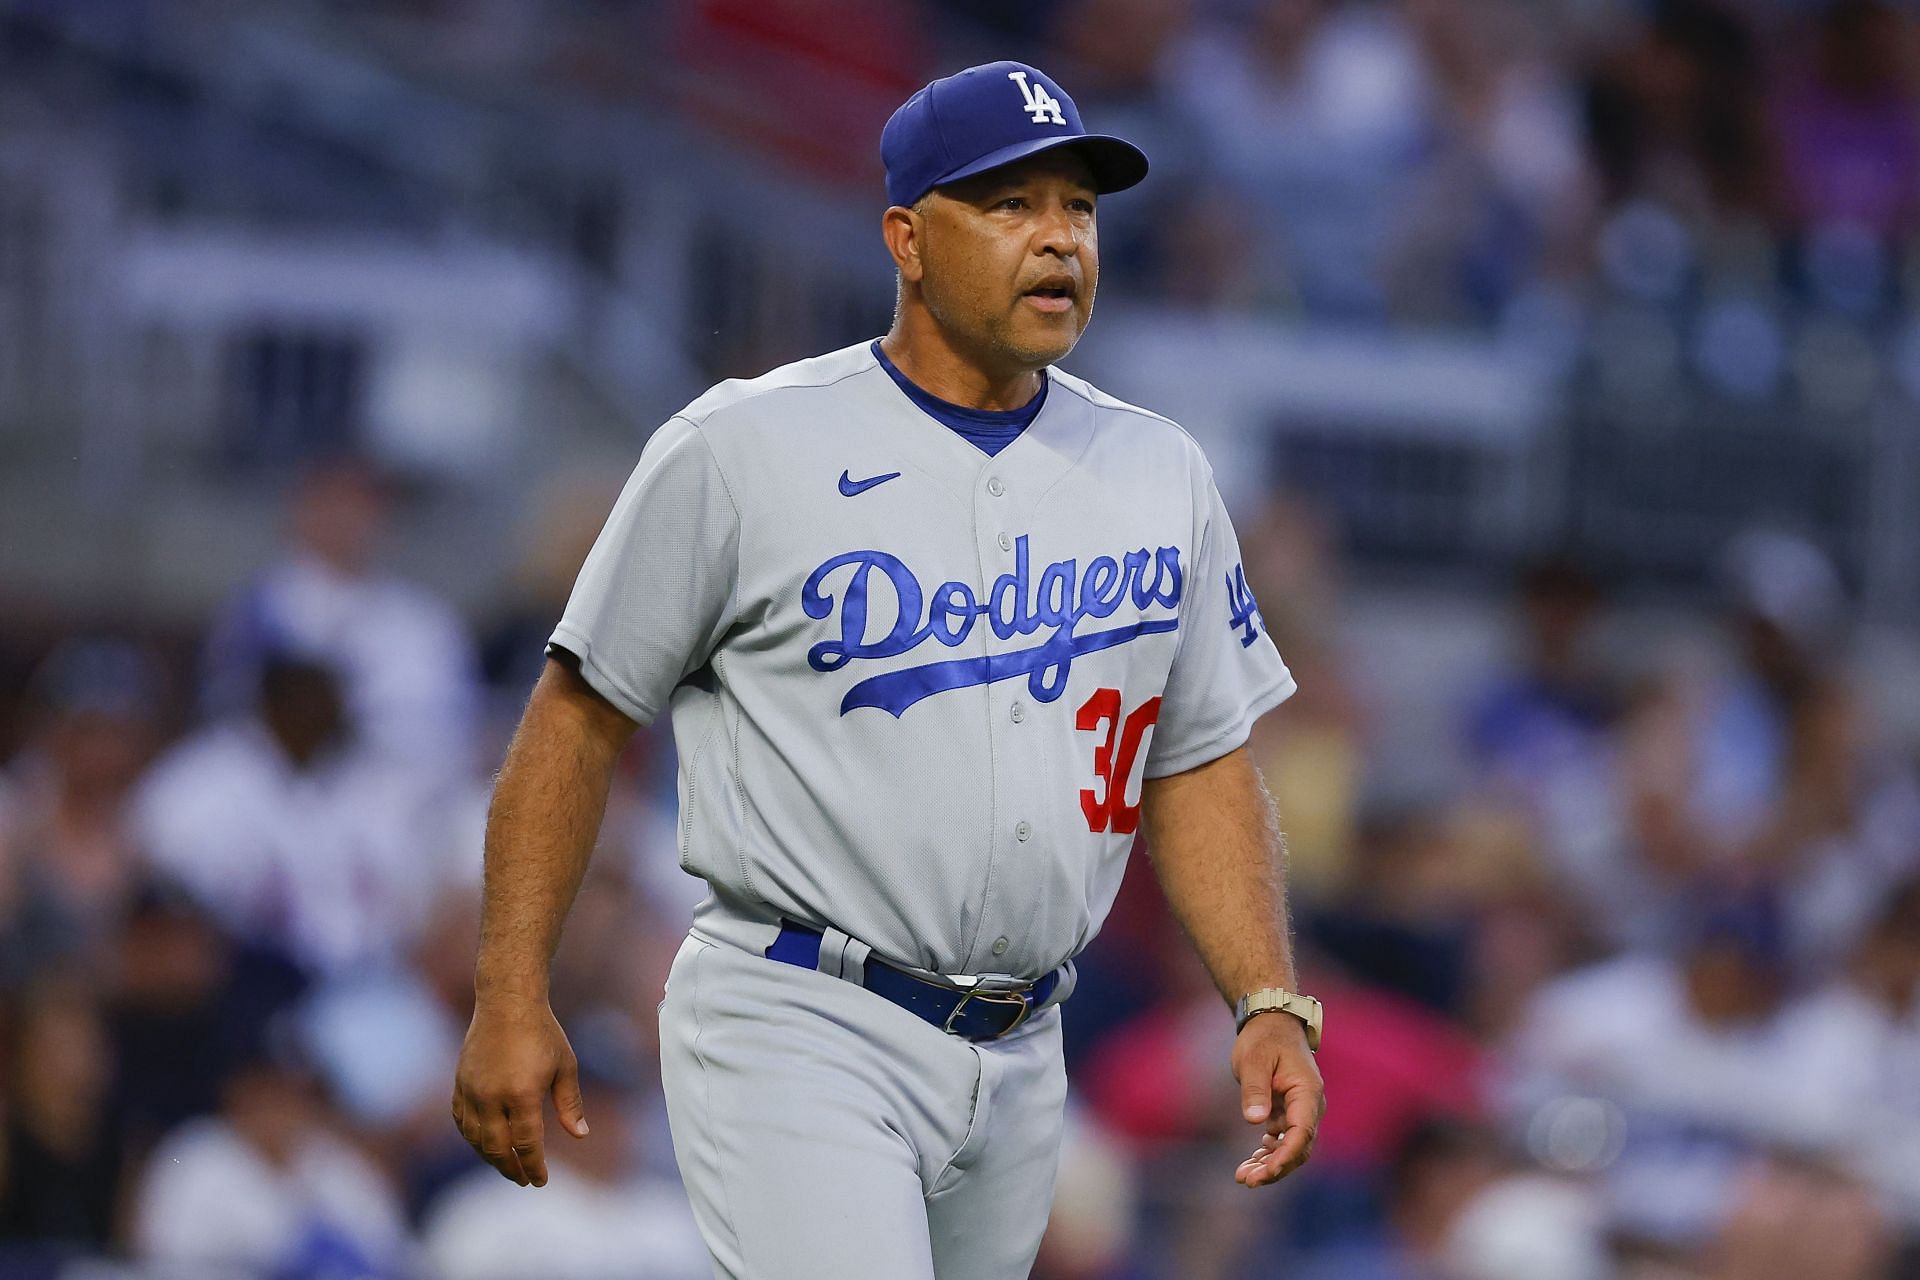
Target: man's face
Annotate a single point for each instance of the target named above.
(1011, 258)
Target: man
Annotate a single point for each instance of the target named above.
(922, 610)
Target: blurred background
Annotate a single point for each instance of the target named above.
(1558, 361)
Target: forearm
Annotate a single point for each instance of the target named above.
(541, 828)
(1214, 838)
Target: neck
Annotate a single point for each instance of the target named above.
(928, 355)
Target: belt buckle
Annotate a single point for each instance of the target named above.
(971, 988)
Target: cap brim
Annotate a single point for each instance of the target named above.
(1116, 163)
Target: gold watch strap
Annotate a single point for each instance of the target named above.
(1280, 1000)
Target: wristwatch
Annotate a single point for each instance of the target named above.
(1305, 1008)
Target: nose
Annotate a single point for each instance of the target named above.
(1059, 234)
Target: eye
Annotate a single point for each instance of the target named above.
(1011, 202)
(1080, 206)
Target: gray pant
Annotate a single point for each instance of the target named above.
(824, 1133)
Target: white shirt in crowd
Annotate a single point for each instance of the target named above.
(210, 1199)
(338, 862)
(574, 1228)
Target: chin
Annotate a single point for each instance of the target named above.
(1037, 349)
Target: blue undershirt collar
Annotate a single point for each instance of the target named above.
(989, 430)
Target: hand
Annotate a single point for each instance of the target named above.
(515, 1057)
(1280, 1089)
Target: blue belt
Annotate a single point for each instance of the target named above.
(971, 1014)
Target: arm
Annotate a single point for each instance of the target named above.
(541, 829)
(1215, 843)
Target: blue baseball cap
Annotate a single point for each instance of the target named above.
(987, 116)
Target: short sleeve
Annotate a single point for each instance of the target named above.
(657, 591)
(1226, 673)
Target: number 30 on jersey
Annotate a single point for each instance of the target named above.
(1106, 804)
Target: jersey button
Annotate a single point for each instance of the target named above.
(994, 486)
(999, 946)
(1022, 830)
(1019, 712)
(1006, 543)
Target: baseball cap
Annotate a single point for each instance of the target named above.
(987, 116)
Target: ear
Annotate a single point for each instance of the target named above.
(905, 232)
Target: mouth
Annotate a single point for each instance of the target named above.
(1053, 293)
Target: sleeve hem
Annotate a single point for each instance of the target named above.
(602, 681)
(1229, 737)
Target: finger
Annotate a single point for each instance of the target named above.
(568, 1103)
(1259, 1169)
(1253, 1171)
(1294, 1147)
(1290, 1151)
(1304, 1107)
(1278, 1156)
(527, 1129)
(465, 1121)
(496, 1146)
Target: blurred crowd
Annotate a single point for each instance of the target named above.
(1368, 161)
(1623, 975)
(1620, 950)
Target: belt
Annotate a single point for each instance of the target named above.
(963, 1009)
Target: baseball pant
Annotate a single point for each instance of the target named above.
(824, 1133)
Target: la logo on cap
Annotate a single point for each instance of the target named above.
(1044, 106)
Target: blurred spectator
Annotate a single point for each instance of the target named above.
(1504, 191)
(1856, 1041)
(1785, 610)
(1314, 113)
(604, 1213)
(289, 833)
(1403, 919)
(1313, 758)
(1544, 737)
(1183, 237)
(95, 708)
(562, 519)
(265, 1184)
(1528, 1224)
(1686, 1052)
(60, 1175)
(1675, 113)
(1795, 1220)
(1457, 1208)
(405, 660)
(1841, 831)
(185, 1003)
(1096, 1201)
(1557, 703)
(1849, 119)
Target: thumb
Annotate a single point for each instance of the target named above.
(567, 1102)
(1256, 1091)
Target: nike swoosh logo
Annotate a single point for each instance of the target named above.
(850, 487)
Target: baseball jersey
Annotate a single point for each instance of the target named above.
(914, 688)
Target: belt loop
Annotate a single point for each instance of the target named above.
(843, 956)
(853, 962)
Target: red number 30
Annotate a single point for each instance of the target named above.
(1107, 808)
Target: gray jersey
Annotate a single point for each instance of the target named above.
(915, 688)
